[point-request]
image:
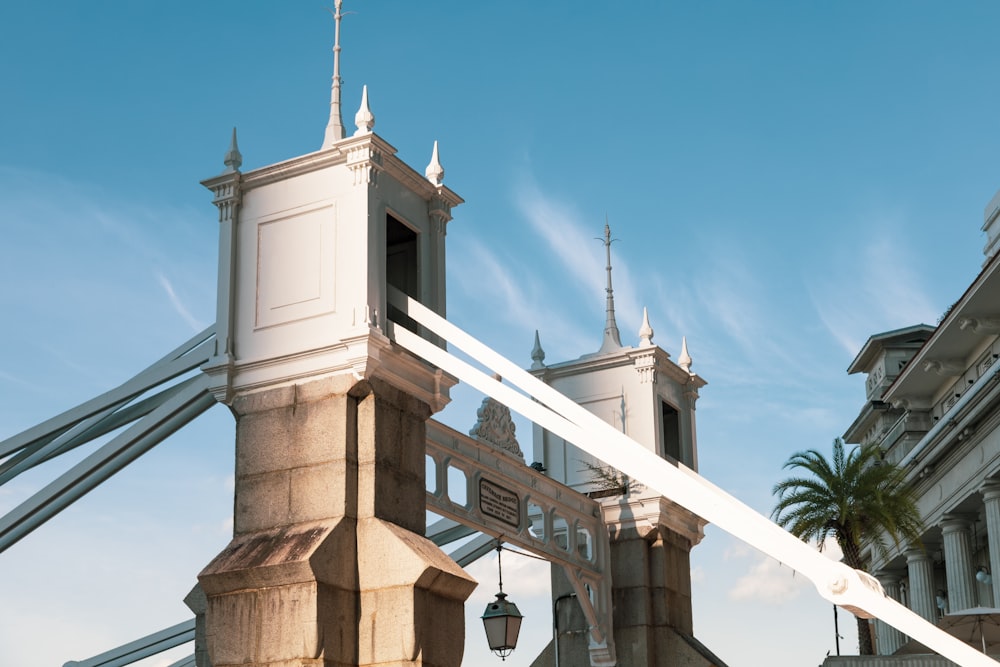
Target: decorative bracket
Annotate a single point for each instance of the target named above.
(365, 161)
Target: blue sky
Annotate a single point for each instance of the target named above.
(785, 179)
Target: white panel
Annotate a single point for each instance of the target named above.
(296, 266)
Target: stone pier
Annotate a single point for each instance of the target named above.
(328, 565)
(651, 541)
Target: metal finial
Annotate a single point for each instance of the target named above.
(537, 354)
(612, 339)
(335, 126)
(233, 158)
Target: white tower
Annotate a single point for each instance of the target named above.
(641, 391)
(306, 249)
(330, 414)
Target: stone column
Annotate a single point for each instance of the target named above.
(920, 568)
(958, 563)
(889, 638)
(991, 500)
(328, 566)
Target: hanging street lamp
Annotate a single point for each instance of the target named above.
(502, 620)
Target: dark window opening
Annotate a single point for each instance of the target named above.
(401, 265)
(670, 431)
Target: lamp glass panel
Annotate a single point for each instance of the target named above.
(496, 631)
(513, 628)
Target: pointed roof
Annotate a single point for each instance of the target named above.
(914, 335)
(612, 339)
(233, 159)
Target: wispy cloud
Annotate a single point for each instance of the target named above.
(736, 550)
(770, 582)
(532, 577)
(14, 379)
(730, 297)
(756, 339)
(93, 239)
(97, 376)
(559, 226)
(515, 297)
(514, 290)
(576, 246)
(177, 304)
(879, 291)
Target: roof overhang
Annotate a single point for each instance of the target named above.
(958, 336)
(875, 344)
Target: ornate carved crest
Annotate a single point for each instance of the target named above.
(495, 427)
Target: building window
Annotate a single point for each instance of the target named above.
(401, 265)
(670, 431)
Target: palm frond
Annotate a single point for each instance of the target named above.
(853, 497)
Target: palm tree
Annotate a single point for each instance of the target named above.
(856, 498)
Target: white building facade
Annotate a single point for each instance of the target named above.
(933, 406)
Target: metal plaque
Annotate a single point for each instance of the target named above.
(500, 503)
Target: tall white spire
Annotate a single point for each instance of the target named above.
(335, 126)
(612, 339)
(233, 158)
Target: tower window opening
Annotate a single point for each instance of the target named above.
(670, 431)
(401, 269)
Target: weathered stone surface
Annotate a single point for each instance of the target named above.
(629, 561)
(283, 594)
(403, 558)
(198, 604)
(294, 436)
(325, 568)
(391, 435)
(232, 634)
(680, 649)
(318, 492)
(650, 570)
(282, 556)
(412, 600)
(670, 581)
(547, 658)
(296, 455)
(632, 607)
(262, 502)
